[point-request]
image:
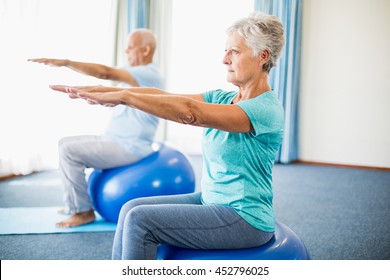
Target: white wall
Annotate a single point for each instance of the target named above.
(345, 87)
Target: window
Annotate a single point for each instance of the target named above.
(32, 117)
(197, 49)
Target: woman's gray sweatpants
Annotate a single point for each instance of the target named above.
(180, 220)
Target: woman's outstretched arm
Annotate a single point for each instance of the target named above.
(181, 108)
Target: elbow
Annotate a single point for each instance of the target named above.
(187, 118)
(103, 73)
(191, 115)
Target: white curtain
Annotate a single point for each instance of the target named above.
(32, 117)
(119, 30)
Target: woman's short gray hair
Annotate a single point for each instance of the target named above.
(261, 32)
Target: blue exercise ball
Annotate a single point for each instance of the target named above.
(284, 245)
(167, 171)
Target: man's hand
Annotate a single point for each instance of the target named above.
(50, 61)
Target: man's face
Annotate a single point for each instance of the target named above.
(134, 50)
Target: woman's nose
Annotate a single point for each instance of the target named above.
(225, 59)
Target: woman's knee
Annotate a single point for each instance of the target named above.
(128, 206)
(136, 217)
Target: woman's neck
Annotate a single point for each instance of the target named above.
(252, 90)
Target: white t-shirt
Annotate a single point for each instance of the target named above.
(135, 129)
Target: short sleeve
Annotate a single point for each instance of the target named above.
(264, 112)
(218, 96)
(146, 75)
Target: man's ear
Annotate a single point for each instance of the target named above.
(146, 50)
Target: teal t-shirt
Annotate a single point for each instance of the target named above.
(237, 167)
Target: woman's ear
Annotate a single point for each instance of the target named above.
(264, 56)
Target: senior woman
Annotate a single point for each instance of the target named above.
(242, 133)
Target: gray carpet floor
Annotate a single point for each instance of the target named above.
(339, 213)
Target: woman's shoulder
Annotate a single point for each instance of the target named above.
(267, 99)
(219, 96)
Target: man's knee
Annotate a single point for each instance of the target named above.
(62, 145)
(65, 140)
(67, 148)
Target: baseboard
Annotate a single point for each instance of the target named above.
(4, 177)
(342, 165)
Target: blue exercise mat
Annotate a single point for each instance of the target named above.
(41, 220)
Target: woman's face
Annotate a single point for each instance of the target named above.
(242, 66)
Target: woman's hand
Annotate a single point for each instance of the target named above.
(106, 96)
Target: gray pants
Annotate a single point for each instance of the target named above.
(183, 221)
(77, 153)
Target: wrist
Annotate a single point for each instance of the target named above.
(124, 97)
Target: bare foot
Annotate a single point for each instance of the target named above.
(78, 219)
(63, 211)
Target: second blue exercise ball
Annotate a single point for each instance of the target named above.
(284, 245)
(167, 171)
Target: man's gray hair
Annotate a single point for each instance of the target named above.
(147, 37)
(261, 32)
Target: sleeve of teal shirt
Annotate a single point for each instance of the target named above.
(212, 95)
(207, 96)
(264, 112)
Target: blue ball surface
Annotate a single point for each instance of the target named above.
(284, 245)
(167, 171)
